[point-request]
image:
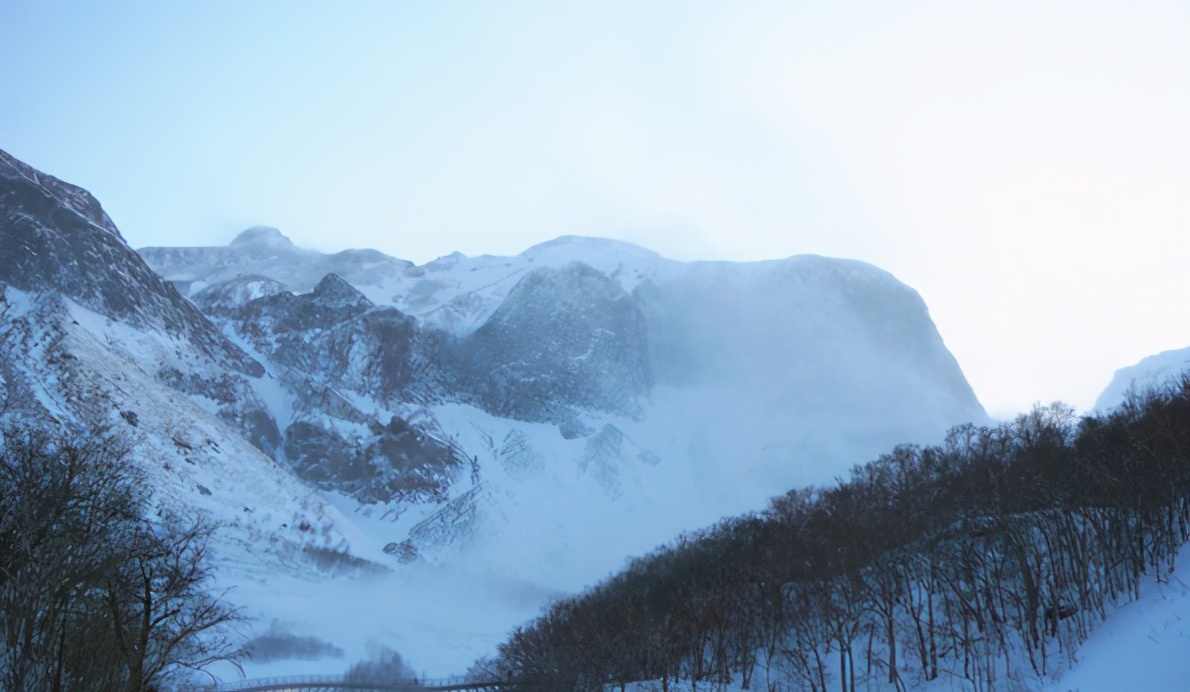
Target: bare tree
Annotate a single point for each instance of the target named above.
(163, 619)
(61, 502)
(93, 596)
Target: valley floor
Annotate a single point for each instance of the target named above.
(441, 620)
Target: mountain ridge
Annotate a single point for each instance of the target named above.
(1153, 371)
(545, 414)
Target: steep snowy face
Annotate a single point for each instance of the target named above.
(59, 244)
(1151, 372)
(563, 342)
(57, 237)
(91, 338)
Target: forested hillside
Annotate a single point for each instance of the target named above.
(986, 560)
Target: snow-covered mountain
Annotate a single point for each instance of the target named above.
(90, 336)
(585, 372)
(533, 418)
(1151, 372)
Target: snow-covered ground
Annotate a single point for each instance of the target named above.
(1143, 645)
(439, 618)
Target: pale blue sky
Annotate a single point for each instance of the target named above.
(1025, 166)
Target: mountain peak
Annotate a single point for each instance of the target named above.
(334, 291)
(587, 244)
(262, 235)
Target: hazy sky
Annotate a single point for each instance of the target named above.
(1024, 166)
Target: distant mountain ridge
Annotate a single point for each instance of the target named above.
(813, 302)
(1152, 371)
(264, 250)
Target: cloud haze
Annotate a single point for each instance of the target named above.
(1025, 166)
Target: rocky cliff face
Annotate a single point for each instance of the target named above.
(813, 336)
(347, 372)
(91, 339)
(563, 342)
(60, 243)
(57, 237)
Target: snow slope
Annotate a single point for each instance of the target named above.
(1152, 371)
(90, 371)
(1144, 645)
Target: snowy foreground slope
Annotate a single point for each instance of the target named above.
(1145, 645)
(421, 456)
(1142, 646)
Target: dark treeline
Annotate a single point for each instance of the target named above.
(989, 558)
(97, 592)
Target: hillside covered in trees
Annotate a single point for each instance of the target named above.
(987, 560)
